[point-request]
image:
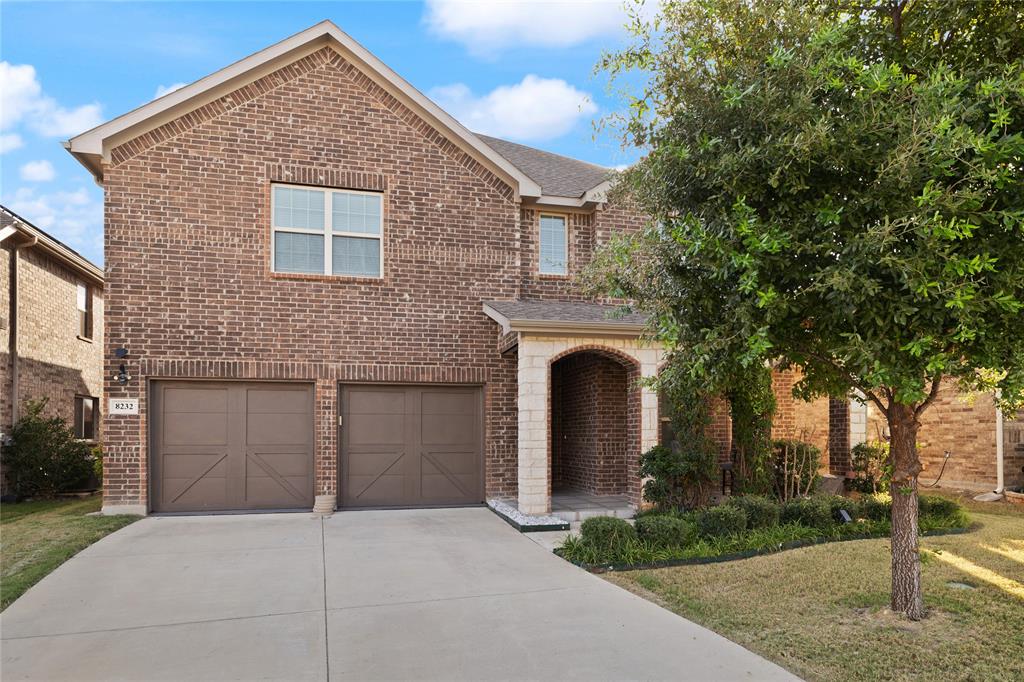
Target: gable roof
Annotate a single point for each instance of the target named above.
(93, 147)
(13, 225)
(557, 175)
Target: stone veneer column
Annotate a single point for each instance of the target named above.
(535, 354)
(858, 423)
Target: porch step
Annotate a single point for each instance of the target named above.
(575, 515)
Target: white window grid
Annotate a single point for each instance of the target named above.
(328, 229)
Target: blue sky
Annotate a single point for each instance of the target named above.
(519, 70)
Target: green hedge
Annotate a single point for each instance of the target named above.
(666, 530)
(760, 511)
(745, 524)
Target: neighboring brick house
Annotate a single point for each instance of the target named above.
(51, 315)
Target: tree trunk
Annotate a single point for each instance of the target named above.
(906, 561)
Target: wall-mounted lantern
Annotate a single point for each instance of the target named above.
(122, 376)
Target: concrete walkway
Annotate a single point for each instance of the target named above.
(451, 594)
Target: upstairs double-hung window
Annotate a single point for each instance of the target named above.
(327, 231)
(554, 245)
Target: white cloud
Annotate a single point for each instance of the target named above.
(75, 218)
(488, 27)
(22, 101)
(37, 171)
(162, 90)
(10, 142)
(534, 109)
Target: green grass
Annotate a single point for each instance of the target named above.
(37, 537)
(822, 611)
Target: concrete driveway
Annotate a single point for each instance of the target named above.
(447, 594)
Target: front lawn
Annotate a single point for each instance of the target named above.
(37, 537)
(821, 611)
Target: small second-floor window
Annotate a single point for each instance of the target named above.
(554, 245)
(327, 231)
(86, 414)
(85, 311)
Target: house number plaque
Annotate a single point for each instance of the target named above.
(123, 406)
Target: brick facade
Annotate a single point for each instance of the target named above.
(191, 293)
(53, 361)
(966, 427)
(589, 413)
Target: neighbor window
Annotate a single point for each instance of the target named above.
(86, 414)
(327, 231)
(85, 311)
(554, 246)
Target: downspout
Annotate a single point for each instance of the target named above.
(999, 445)
(12, 340)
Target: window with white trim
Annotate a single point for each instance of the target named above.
(327, 231)
(554, 245)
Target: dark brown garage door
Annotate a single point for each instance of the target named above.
(411, 446)
(220, 446)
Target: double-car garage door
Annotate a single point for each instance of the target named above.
(226, 446)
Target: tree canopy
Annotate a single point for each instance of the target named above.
(834, 185)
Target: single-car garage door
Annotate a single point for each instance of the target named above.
(411, 446)
(219, 446)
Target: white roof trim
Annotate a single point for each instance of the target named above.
(32, 236)
(92, 147)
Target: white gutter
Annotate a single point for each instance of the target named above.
(1000, 481)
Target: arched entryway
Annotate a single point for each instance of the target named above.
(594, 428)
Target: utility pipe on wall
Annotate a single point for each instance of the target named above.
(12, 343)
(999, 445)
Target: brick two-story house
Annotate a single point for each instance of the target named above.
(51, 318)
(325, 285)
(321, 284)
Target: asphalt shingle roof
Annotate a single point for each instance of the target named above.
(566, 311)
(557, 175)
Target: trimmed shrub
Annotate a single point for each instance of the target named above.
(836, 503)
(721, 521)
(45, 458)
(870, 464)
(665, 531)
(813, 512)
(607, 533)
(678, 476)
(760, 511)
(876, 507)
(929, 505)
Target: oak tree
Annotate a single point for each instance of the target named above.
(834, 185)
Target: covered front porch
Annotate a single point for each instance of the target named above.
(584, 415)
